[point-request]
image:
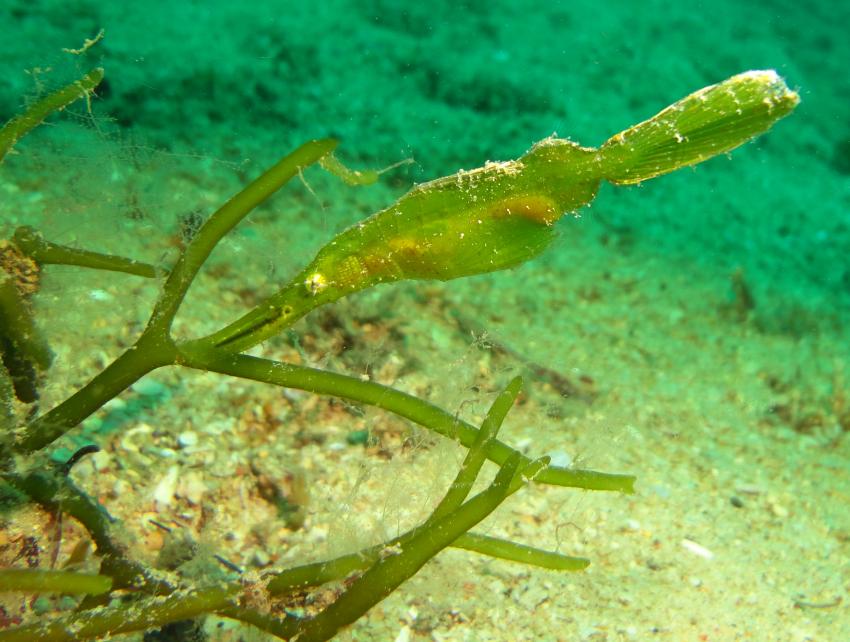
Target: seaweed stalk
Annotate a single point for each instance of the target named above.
(35, 114)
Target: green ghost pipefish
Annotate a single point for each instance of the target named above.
(501, 215)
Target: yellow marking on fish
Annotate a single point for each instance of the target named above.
(315, 283)
(350, 273)
(539, 209)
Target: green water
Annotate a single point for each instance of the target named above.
(640, 300)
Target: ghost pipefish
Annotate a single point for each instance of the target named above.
(501, 215)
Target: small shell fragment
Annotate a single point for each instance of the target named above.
(697, 549)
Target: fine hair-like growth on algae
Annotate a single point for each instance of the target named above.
(487, 219)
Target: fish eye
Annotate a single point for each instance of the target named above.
(315, 283)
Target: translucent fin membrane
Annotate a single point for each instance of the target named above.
(708, 122)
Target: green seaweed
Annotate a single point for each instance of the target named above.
(484, 220)
(38, 580)
(35, 114)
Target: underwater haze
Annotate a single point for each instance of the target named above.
(691, 330)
